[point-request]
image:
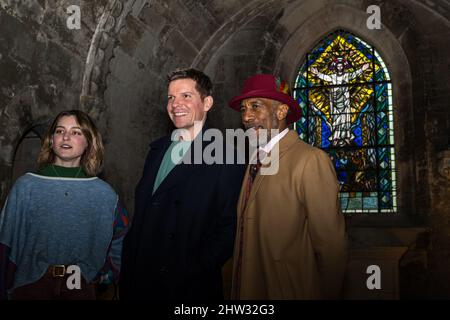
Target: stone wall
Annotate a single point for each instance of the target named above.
(114, 67)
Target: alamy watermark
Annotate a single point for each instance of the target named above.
(74, 280)
(74, 19)
(228, 149)
(374, 21)
(374, 280)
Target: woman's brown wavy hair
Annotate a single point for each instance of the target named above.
(92, 158)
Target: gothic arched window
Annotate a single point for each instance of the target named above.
(345, 94)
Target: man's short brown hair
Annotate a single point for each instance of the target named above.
(203, 82)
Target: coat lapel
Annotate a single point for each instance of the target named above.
(284, 145)
(180, 172)
(183, 170)
(241, 201)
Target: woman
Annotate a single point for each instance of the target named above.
(62, 216)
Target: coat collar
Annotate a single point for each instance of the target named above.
(183, 170)
(287, 142)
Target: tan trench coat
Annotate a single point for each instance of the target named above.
(293, 241)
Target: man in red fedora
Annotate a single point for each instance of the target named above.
(291, 240)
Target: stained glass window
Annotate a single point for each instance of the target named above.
(345, 93)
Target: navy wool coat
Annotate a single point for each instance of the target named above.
(182, 235)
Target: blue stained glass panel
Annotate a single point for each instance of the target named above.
(344, 91)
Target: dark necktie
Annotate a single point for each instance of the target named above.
(253, 171)
(254, 168)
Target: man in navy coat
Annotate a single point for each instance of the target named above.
(184, 224)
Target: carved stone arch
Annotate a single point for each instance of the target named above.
(242, 17)
(27, 150)
(439, 9)
(101, 51)
(307, 32)
(22, 114)
(113, 20)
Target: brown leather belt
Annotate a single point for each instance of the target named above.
(57, 270)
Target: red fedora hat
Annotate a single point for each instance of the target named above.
(267, 86)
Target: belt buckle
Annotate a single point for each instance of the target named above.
(58, 271)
